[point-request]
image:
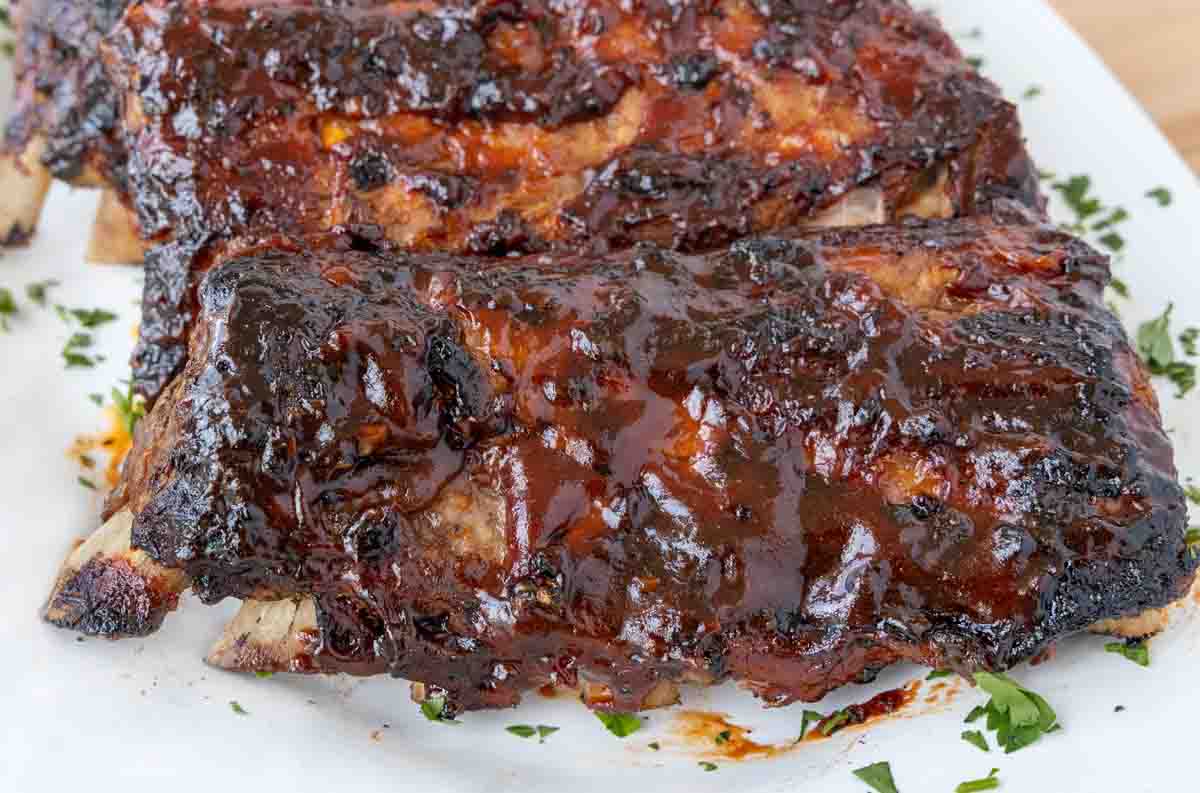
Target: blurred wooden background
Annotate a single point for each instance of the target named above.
(1154, 47)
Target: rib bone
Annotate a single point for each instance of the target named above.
(115, 238)
(105, 588)
(24, 182)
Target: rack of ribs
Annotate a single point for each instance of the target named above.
(790, 461)
(65, 123)
(496, 128)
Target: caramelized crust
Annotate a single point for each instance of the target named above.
(505, 127)
(790, 462)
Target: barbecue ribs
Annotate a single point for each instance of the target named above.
(515, 127)
(790, 462)
(66, 121)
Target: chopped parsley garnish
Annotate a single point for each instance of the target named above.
(434, 709)
(92, 317)
(8, 307)
(1032, 92)
(707, 766)
(1113, 241)
(1157, 349)
(1120, 287)
(939, 673)
(809, 717)
(1135, 651)
(1162, 195)
(529, 731)
(71, 351)
(976, 738)
(97, 398)
(130, 407)
(975, 62)
(263, 675)
(237, 708)
(1193, 493)
(1018, 716)
(37, 291)
(1188, 340)
(878, 777)
(1076, 193)
(834, 722)
(1192, 538)
(723, 737)
(87, 483)
(621, 725)
(990, 782)
(654, 745)
(1118, 215)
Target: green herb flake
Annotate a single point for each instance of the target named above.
(1193, 493)
(1162, 195)
(1118, 215)
(521, 730)
(1032, 92)
(541, 731)
(1135, 651)
(36, 291)
(975, 62)
(654, 745)
(1113, 241)
(1075, 192)
(990, 782)
(707, 766)
(977, 712)
(621, 725)
(1018, 716)
(878, 777)
(75, 360)
(98, 399)
(8, 307)
(809, 717)
(976, 738)
(1154, 340)
(1192, 537)
(79, 341)
(87, 483)
(237, 708)
(1120, 287)
(130, 407)
(263, 675)
(1188, 340)
(92, 317)
(1158, 351)
(723, 737)
(434, 709)
(939, 673)
(834, 723)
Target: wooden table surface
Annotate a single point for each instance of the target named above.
(1154, 48)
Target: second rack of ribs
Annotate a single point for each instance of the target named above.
(790, 462)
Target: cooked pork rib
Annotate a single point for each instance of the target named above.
(791, 462)
(65, 121)
(499, 127)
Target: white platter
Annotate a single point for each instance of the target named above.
(145, 715)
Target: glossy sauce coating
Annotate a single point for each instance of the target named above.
(790, 462)
(514, 127)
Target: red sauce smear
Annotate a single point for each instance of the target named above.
(720, 738)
